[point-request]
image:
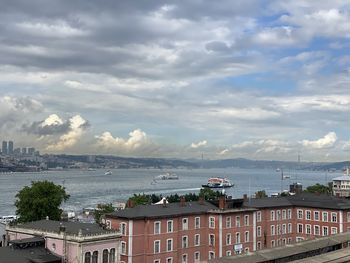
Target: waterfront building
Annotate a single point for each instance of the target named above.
(31, 151)
(10, 148)
(4, 148)
(341, 185)
(73, 242)
(198, 231)
(24, 151)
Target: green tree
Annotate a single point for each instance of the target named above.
(209, 194)
(41, 199)
(140, 199)
(260, 194)
(103, 209)
(318, 188)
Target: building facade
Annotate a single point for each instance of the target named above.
(199, 231)
(341, 186)
(74, 242)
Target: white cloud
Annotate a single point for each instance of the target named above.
(53, 119)
(72, 137)
(251, 114)
(223, 152)
(199, 144)
(137, 141)
(327, 141)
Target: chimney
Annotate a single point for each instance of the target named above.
(201, 200)
(130, 204)
(245, 197)
(222, 202)
(47, 217)
(182, 201)
(164, 202)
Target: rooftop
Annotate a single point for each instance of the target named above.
(72, 228)
(170, 209)
(301, 200)
(342, 178)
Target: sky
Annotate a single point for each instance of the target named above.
(177, 79)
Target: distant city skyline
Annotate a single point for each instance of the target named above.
(251, 79)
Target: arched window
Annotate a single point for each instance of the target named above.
(87, 258)
(95, 257)
(112, 255)
(105, 256)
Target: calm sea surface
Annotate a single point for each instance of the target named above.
(88, 188)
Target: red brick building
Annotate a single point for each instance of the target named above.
(198, 231)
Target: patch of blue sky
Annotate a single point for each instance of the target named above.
(268, 82)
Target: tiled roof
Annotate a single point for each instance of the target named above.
(171, 209)
(28, 255)
(342, 178)
(72, 228)
(301, 200)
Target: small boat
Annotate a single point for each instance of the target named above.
(217, 182)
(167, 176)
(109, 172)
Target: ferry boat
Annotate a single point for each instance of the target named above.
(109, 172)
(218, 182)
(167, 176)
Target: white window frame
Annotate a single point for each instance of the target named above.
(317, 233)
(228, 253)
(334, 217)
(258, 216)
(197, 222)
(289, 213)
(122, 247)
(273, 230)
(197, 259)
(284, 214)
(238, 221)
(228, 222)
(290, 228)
(246, 220)
(258, 231)
(300, 227)
(171, 223)
(123, 227)
(169, 260)
(157, 227)
(167, 245)
(272, 215)
(211, 239)
(197, 241)
(211, 222)
(334, 230)
(246, 236)
(184, 242)
(238, 237)
(324, 215)
(185, 223)
(308, 229)
(211, 255)
(154, 246)
(228, 239)
(300, 214)
(184, 258)
(323, 231)
(317, 218)
(308, 215)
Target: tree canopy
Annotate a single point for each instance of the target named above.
(260, 194)
(41, 199)
(318, 188)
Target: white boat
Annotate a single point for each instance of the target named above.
(167, 176)
(218, 182)
(109, 172)
(8, 219)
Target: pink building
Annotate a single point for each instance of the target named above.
(73, 241)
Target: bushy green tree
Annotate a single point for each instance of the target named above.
(260, 194)
(41, 199)
(318, 188)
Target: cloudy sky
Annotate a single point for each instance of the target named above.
(256, 79)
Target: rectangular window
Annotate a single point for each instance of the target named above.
(228, 253)
(273, 232)
(197, 256)
(184, 258)
(317, 230)
(325, 216)
(308, 229)
(258, 245)
(290, 228)
(284, 229)
(238, 238)
(316, 215)
(300, 214)
(228, 239)
(123, 248)
(197, 239)
(278, 214)
(211, 255)
(348, 216)
(238, 221)
(325, 231)
(184, 223)
(289, 211)
(258, 231)
(272, 243)
(211, 240)
(246, 236)
(211, 222)
(170, 226)
(197, 222)
(308, 215)
(300, 228)
(246, 220)
(169, 260)
(228, 222)
(123, 229)
(272, 216)
(334, 230)
(169, 245)
(156, 246)
(184, 241)
(334, 217)
(258, 216)
(284, 214)
(157, 227)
